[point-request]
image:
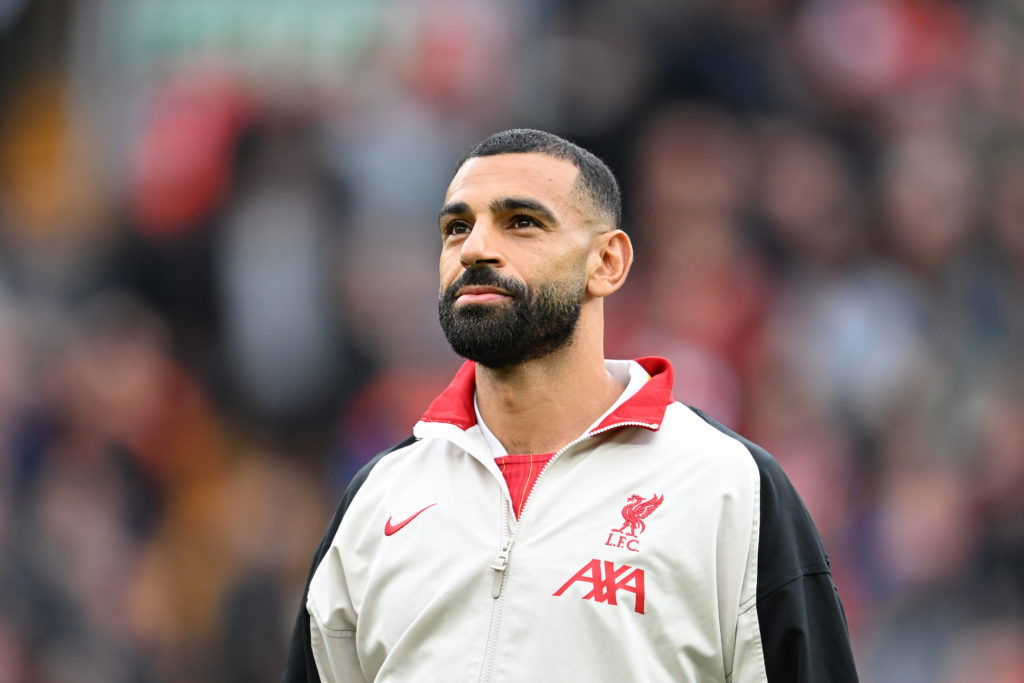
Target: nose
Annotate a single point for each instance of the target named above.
(481, 246)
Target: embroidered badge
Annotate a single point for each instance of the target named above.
(637, 509)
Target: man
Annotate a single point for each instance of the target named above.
(557, 516)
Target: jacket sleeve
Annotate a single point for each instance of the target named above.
(795, 631)
(308, 635)
(804, 635)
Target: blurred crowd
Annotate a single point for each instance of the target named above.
(218, 291)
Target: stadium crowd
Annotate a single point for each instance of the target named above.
(218, 291)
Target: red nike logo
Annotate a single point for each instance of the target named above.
(390, 528)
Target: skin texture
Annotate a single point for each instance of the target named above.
(524, 216)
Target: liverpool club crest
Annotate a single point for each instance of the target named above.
(636, 510)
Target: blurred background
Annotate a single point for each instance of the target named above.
(218, 291)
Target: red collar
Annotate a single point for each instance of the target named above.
(644, 408)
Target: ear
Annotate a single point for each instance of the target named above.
(611, 256)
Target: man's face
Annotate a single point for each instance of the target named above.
(513, 258)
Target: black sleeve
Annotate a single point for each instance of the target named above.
(299, 667)
(804, 634)
(803, 627)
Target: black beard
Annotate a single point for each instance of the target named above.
(533, 324)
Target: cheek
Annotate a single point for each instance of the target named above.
(575, 265)
(449, 269)
(447, 262)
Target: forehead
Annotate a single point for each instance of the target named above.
(531, 174)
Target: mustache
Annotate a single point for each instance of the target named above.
(486, 277)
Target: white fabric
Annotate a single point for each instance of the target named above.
(419, 605)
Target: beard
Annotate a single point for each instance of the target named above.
(532, 324)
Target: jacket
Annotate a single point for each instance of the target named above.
(658, 546)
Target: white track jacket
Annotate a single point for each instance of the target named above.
(658, 546)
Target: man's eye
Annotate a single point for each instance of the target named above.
(456, 228)
(524, 222)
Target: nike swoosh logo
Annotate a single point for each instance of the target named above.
(390, 528)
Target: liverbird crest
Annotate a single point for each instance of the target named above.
(636, 510)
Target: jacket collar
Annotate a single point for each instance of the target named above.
(645, 409)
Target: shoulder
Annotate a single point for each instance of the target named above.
(701, 439)
(792, 546)
(774, 481)
(354, 486)
(387, 455)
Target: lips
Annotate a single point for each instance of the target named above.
(479, 294)
(482, 286)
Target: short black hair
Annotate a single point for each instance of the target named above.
(595, 178)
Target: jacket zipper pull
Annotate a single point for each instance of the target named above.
(499, 571)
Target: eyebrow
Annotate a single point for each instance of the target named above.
(510, 204)
(499, 206)
(453, 209)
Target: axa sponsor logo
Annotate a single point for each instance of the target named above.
(637, 509)
(606, 580)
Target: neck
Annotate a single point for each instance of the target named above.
(541, 405)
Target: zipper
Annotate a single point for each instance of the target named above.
(501, 562)
(498, 578)
(580, 439)
(499, 568)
